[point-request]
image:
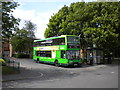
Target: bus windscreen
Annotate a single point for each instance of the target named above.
(71, 39)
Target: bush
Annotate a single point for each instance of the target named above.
(21, 55)
(3, 62)
(8, 70)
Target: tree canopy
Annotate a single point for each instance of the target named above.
(9, 22)
(30, 27)
(22, 39)
(96, 22)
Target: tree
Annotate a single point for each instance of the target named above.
(103, 28)
(30, 27)
(55, 23)
(22, 41)
(97, 22)
(0, 30)
(19, 41)
(9, 22)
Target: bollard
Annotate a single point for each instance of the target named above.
(13, 64)
(19, 66)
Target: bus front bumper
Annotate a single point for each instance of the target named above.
(73, 63)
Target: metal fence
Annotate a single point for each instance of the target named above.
(14, 64)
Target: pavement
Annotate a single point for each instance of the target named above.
(36, 75)
(31, 73)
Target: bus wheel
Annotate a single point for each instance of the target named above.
(37, 60)
(56, 63)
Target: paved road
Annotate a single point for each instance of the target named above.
(37, 75)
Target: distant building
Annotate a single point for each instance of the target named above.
(5, 48)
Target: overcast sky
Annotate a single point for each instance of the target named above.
(39, 12)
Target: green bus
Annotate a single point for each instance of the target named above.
(62, 50)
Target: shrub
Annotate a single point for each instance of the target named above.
(8, 70)
(3, 62)
(21, 55)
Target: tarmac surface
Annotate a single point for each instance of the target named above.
(37, 75)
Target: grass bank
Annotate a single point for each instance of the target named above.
(8, 70)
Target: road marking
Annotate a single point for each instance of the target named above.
(41, 75)
(112, 72)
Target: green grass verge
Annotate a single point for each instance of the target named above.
(8, 70)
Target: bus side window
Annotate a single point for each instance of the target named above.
(48, 54)
(42, 43)
(63, 54)
(61, 41)
(35, 44)
(43, 53)
(37, 53)
(49, 42)
(55, 42)
(38, 43)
